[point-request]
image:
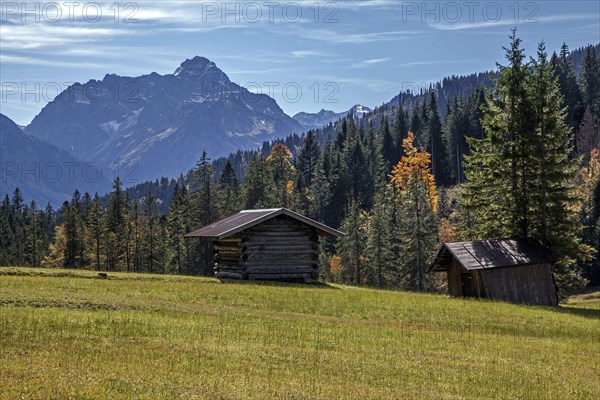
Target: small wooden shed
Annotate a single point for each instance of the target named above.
(517, 271)
(270, 244)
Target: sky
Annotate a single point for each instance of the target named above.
(308, 55)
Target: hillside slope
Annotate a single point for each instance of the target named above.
(42, 171)
(142, 336)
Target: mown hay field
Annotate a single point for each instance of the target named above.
(73, 335)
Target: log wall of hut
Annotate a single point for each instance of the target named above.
(527, 284)
(279, 249)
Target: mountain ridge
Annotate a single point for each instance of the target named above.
(134, 123)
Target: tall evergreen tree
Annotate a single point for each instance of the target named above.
(436, 146)
(258, 185)
(520, 174)
(96, 228)
(590, 82)
(351, 247)
(567, 80)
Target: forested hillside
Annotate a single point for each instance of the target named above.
(513, 159)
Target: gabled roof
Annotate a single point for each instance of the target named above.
(248, 218)
(486, 254)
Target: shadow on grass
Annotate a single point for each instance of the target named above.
(315, 285)
(581, 312)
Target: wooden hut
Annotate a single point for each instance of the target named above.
(517, 271)
(271, 244)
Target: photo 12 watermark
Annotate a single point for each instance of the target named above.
(68, 12)
(253, 12)
(469, 12)
(127, 91)
(72, 172)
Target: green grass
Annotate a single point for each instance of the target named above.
(147, 336)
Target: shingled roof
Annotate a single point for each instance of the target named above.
(248, 218)
(486, 254)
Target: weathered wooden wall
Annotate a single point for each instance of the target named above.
(528, 284)
(454, 279)
(278, 249)
(454, 286)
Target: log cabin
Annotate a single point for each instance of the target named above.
(268, 244)
(516, 271)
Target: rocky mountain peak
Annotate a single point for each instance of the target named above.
(196, 66)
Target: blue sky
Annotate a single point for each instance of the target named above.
(346, 53)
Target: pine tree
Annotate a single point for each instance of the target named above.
(203, 213)
(351, 247)
(352, 173)
(554, 220)
(258, 186)
(590, 82)
(500, 162)
(96, 229)
(520, 174)
(436, 145)
(115, 227)
(201, 190)
(375, 167)
(400, 130)
(32, 229)
(178, 226)
(379, 255)
(150, 236)
(279, 162)
(75, 234)
(307, 162)
(418, 235)
(388, 144)
(229, 192)
(17, 226)
(572, 97)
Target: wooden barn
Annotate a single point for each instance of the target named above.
(270, 244)
(517, 271)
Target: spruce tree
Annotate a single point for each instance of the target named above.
(351, 247)
(379, 250)
(258, 185)
(567, 80)
(400, 130)
(96, 229)
(590, 82)
(553, 220)
(436, 145)
(520, 175)
(229, 191)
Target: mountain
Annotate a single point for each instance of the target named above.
(42, 171)
(158, 125)
(324, 117)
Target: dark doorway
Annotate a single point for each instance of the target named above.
(466, 285)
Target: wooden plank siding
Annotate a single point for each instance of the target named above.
(454, 281)
(526, 284)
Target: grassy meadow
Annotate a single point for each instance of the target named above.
(72, 335)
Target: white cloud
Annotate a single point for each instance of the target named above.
(368, 63)
(309, 53)
(509, 21)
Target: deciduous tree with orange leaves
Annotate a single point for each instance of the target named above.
(415, 163)
(415, 192)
